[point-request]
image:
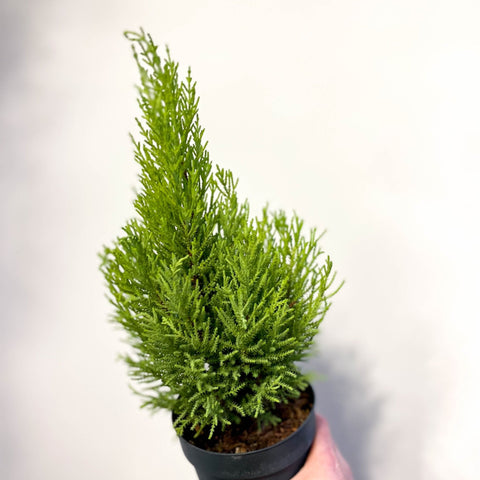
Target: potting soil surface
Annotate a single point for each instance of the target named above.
(245, 437)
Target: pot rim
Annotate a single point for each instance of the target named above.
(254, 452)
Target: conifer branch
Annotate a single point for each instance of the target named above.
(218, 307)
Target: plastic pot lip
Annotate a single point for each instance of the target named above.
(261, 450)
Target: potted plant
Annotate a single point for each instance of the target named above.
(219, 307)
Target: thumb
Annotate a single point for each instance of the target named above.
(324, 461)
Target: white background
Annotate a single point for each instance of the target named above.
(363, 116)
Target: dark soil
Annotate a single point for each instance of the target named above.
(245, 437)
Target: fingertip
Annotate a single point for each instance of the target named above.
(323, 428)
(324, 460)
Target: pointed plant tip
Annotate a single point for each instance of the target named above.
(131, 35)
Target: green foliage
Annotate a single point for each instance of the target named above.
(218, 306)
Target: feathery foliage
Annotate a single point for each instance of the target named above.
(218, 306)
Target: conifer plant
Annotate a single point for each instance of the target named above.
(219, 306)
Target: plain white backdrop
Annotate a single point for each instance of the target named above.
(362, 116)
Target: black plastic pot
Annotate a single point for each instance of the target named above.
(278, 462)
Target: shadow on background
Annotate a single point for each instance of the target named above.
(346, 398)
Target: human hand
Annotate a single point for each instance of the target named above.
(324, 461)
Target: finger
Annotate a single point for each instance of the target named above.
(324, 461)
